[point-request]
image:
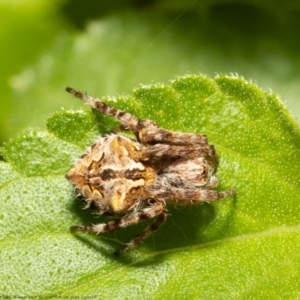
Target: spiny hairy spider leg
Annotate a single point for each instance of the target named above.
(194, 196)
(155, 210)
(128, 120)
(160, 219)
(160, 150)
(147, 131)
(155, 135)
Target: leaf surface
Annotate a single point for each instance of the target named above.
(239, 248)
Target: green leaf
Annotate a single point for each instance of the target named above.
(244, 247)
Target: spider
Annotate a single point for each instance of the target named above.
(133, 180)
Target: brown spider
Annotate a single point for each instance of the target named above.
(134, 179)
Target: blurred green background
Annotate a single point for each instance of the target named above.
(110, 47)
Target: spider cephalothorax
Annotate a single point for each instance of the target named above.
(134, 179)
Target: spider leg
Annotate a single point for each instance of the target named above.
(156, 209)
(153, 135)
(128, 120)
(161, 216)
(165, 150)
(145, 130)
(186, 196)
